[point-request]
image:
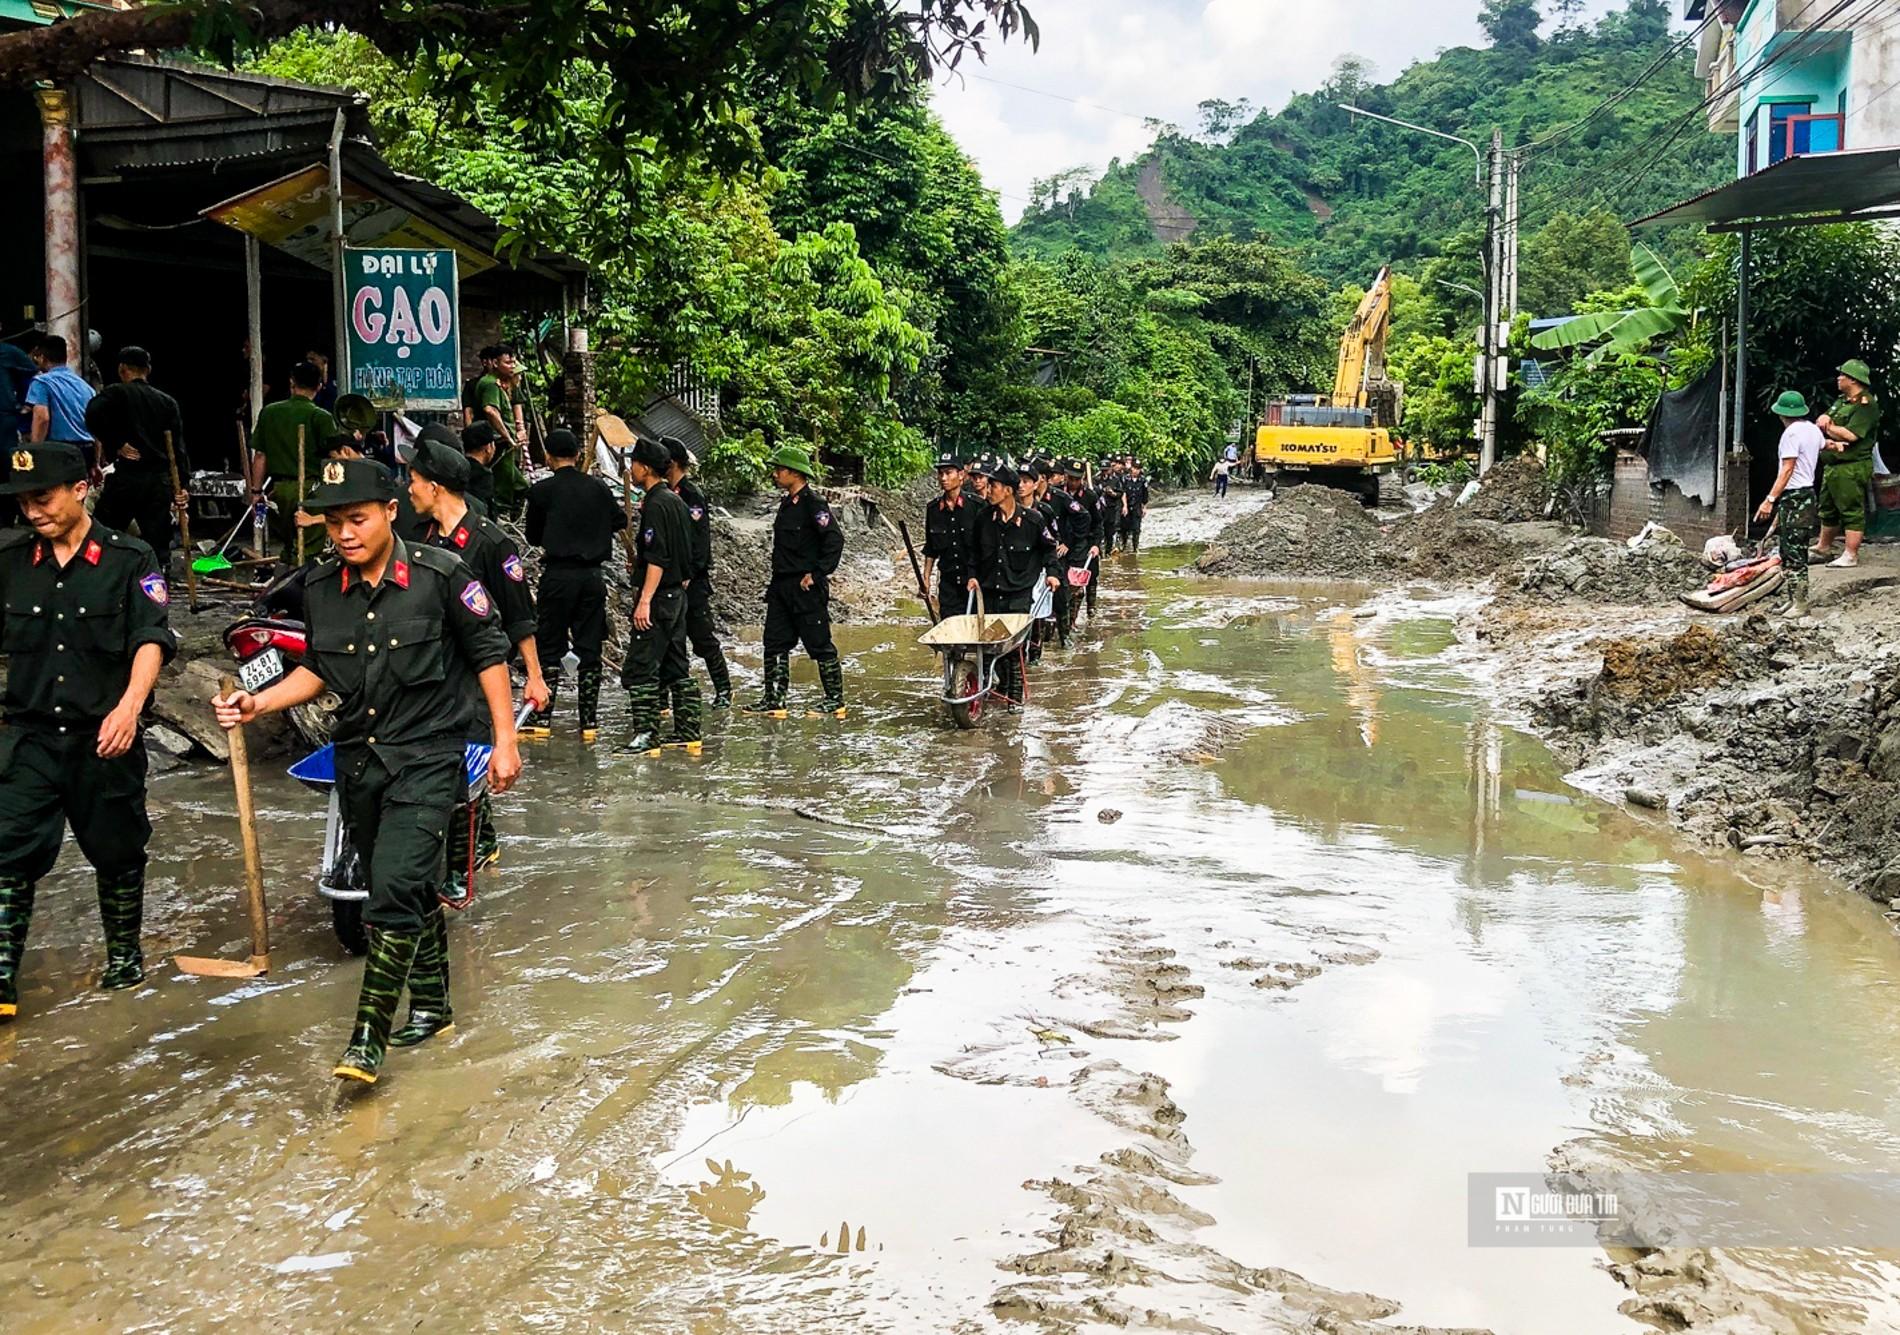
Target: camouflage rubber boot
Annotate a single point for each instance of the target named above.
(720, 678)
(587, 696)
(686, 705)
(487, 842)
(831, 677)
(541, 722)
(458, 885)
(122, 913)
(429, 1010)
(643, 719)
(16, 912)
(385, 970)
(778, 681)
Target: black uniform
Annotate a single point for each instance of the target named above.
(656, 664)
(1136, 490)
(403, 656)
(493, 558)
(1110, 493)
(950, 540)
(481, 488)
(70, 636)
(573, 517)
(135, 413)
(700, 631)
(1080, 516)
(805, 541)
(1057, 622)
(1012, 556)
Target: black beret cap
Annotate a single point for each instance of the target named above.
(440, 464)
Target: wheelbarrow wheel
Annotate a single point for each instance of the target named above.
(346, 916)
(967, 713)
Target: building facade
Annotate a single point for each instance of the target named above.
(1796, 77)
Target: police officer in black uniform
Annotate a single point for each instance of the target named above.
(806, 549)
(85, 635)
(479, 445)
(573, 518)
(656, 668)
(700, 631)
(438, 478)
(404, 635)
(950, 536)
(1032, 493)
(1014, 551)
(130, 421)
(1080, 510)
(1108, 485)
(1135, 489)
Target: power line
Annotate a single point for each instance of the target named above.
(1558, 135)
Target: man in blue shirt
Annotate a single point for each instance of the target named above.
(57, 397)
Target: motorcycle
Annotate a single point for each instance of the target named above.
(341, 876)
(270, 642)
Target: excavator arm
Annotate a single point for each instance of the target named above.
(1362, 346)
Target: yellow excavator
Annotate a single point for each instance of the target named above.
(1343, 438)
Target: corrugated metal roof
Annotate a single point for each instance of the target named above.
(1853, 182)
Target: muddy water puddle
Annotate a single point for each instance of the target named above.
(1198, 992)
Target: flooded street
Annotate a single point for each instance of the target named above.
(1197, 992)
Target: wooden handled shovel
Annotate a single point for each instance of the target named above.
(301, 483)
(259, 962)
(184, 527)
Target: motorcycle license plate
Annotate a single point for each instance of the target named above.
(257, 673)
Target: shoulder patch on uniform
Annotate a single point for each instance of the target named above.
(824, 518)
(475, 598)
(648, 537)
(153, 586)
(698, 512)
(511, 567)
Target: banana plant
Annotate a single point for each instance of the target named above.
(1617, 332)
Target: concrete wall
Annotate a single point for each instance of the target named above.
(1873, 84)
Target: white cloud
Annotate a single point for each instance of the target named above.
(1107, 65)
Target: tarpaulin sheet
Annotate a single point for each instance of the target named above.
(1683, 440)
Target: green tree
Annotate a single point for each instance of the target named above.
(1571, 256)
(1637, 319)
(1511, 24)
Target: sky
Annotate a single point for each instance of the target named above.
(1109, 64)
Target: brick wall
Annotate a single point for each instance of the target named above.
(1631, 503)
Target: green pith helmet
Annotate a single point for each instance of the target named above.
(1790, 404)
(795, 457)
(1856, 370)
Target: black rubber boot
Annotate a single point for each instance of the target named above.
(778, 681)
(643, 720)
(1007, 689)
(385, 970)
(429, 1011)
(587, 695)
(122, 913)
(686, 703)
(719, 676)
(16, 912)
(831, 677)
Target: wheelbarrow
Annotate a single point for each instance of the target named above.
(971, 646)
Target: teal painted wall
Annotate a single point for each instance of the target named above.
(1817, 74)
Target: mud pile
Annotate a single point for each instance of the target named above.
(1601, 571)
(1310, 530)
(1770, 737)
(1447, 542)
(1512, 493)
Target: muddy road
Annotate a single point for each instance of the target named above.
(1188, 1002)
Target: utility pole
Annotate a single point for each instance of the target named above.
(1494, 292)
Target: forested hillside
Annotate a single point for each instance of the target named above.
(1350, 194)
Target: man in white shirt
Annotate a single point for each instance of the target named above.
(1793, 496)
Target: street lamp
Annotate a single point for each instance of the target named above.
(1476, 153)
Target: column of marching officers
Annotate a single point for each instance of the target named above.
(413, 619)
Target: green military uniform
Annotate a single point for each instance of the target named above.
(70, 635)
(402, 655)
(656, 666)
(1847, 475)
(275, 437)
